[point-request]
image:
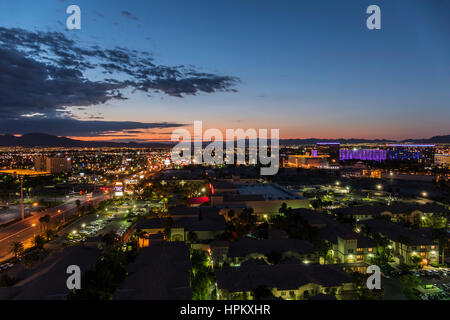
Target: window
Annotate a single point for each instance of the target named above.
(422, 254)
(360, 257)
(360, 250)
(370, 249)
(422, 247)
(283, 293)
(433, 247)
(350, 250)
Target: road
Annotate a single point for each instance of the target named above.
(25, 230)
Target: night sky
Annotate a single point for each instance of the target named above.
(139, 69)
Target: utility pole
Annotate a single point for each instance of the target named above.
(21, 197)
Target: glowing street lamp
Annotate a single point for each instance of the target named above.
(379, 186)
(424, 194)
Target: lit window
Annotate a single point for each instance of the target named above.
(370, 250)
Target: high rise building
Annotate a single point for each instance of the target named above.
(39, 164)
(330, 149)
(58, 165)
(52, 164)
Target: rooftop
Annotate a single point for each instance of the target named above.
(246, 246)
(280, 276)
(399, 233)
(270, 191)
(160, 272)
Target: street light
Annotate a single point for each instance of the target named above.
(424, 194)
(379, 187)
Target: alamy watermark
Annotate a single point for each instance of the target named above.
(235, 141)
(74, 280)
(374, 281)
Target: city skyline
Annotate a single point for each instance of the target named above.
(313, 70)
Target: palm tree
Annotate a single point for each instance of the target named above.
(17, 249)
(45, 220)
(38, 242)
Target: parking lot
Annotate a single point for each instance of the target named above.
(435, 282)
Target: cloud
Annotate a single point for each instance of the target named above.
(46, 73)
(128, 15)
(73, 127)
(98, 14)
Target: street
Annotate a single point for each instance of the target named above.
(25, 230)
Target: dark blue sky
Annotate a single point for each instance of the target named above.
(310, 68)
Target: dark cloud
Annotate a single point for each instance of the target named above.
(128, 15)
(45, 73)
(73, 127)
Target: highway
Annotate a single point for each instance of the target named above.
(25, 230)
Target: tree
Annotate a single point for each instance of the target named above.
(100, 282)
(45, 220)
(109, 239)
(50, 234)
(323, 248)
(416, 261)
(274, 257)
(284, 209)
(262, 292)
(38, 242)
(17, 249)
(202, 276)
(410, 283)
(192, 237)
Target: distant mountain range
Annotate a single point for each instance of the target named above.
(46, 140)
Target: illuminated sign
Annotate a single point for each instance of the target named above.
(118, 189)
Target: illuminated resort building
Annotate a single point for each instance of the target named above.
(363, 154)
(330, 149)
(308, 162)
(419, 152)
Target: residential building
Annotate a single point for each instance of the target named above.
(160, 272)
(406, 243)
(292, 280)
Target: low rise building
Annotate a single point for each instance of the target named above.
(398, 212)
(160, 272)
(244, 249)
(406, 243)
(292, 280)
(264, 198)
(347, 246)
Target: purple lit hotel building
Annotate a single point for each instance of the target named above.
(363, 154)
